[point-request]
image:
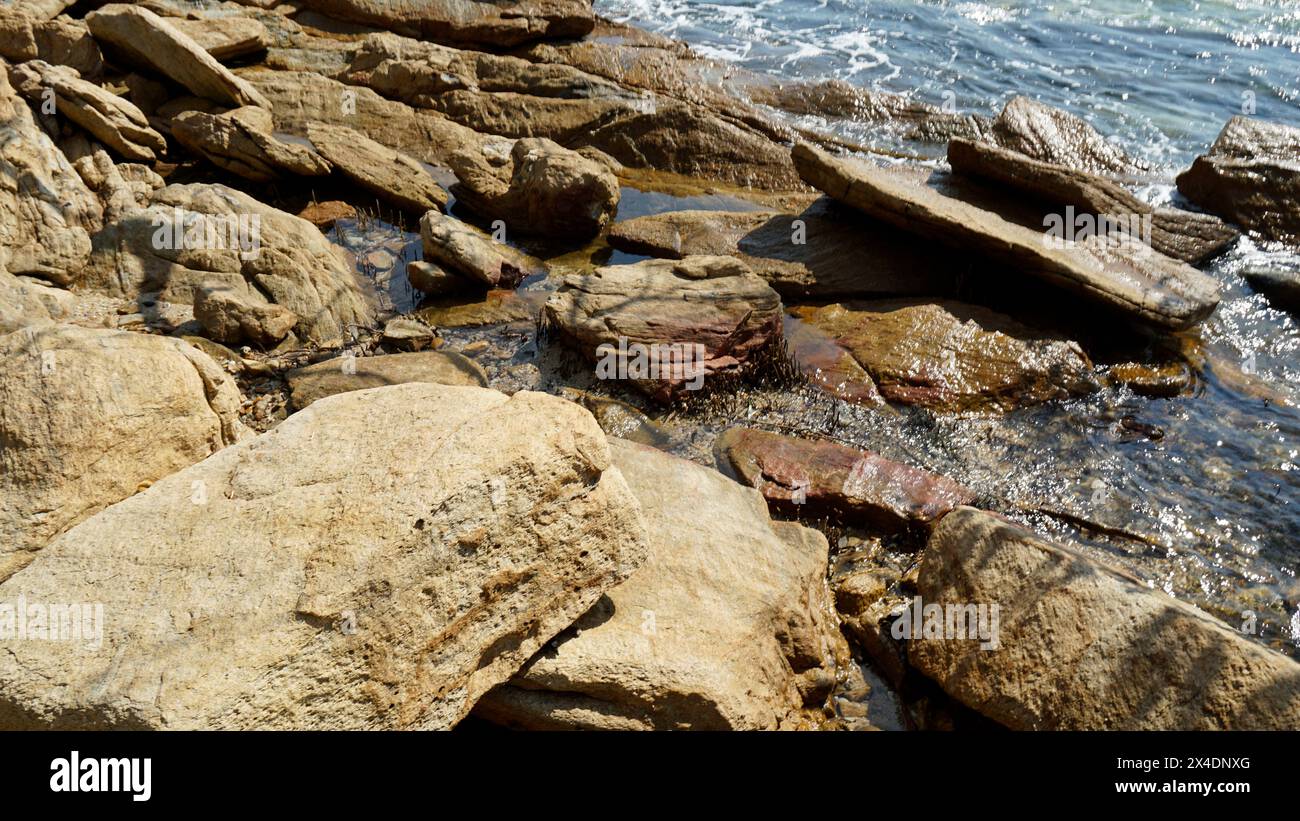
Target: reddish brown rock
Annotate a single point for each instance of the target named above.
(861, 487)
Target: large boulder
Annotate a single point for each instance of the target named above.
(1049, 134)
(860, 487)
(25, 302)
(210, 236)
(1130, 279)
(36, 9)
(113, 120)
(727, 625)
(1251, 176)
(473, 255)
(89, 417)
(242, 142)
(63, 42)
(1183, 235)
(388, 174)
(344, 374)
(668, 326)
(1080, 646)
(499, 24)
(379, 560)
(826, 251)
(146, 40)
(536, 187)
(47, 214)
(952, 356)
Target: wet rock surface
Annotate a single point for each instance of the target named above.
(360, 373)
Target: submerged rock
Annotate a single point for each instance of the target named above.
(472, 22)
(1084, 647)
(727, 625)
(536, 187)
(388, 174)
(90, 417)
(380, 560)
(1183, 235)
(1251, 176)
(1131, 279)
(952, 356)
(799, 475)
(827, 251)
(149, 41)
(668, 326)
(47, 214)
(355, 373)
(210, 236)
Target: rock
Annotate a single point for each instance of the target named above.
(299, 98)
(1084, 647)
(860, 487)
(122, 188)
(619, 418)
(496, 307)
(380, 560)
(1143, 286)
(1183, 235)
(47, 214)
(1059, 137)
(88, 417)
(433, 280)
(227, 37)
(464, 249)
(241, 142)
(355, 373)
(1161, 381)
(471, 22)
(35, 9)
(113, 120)
(200, 236)
(954, 357)
(408, 335)
(725, 626)
(236, 319)
(668, 326)
(323, 215)
(24, 303)
(149, 41)
(1281, 286)
(1250, 176)
(827, 251)
(826, 364)
(62, 42)
(538, 187)
(388, 174)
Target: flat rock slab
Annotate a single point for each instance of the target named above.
(1182, 235)
(359, 373)
(668, 326)
(1251, 176)
(1144, 286)
(242, 142)
(858, 486)
(388, 174)
(1083, 647)
(952, 356)
(152, 42)
(827, 251)
(227, 37)
(726, 625)
(379, 560)
(91, 416)
(471, 22)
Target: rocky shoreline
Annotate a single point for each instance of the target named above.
(351, 356)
